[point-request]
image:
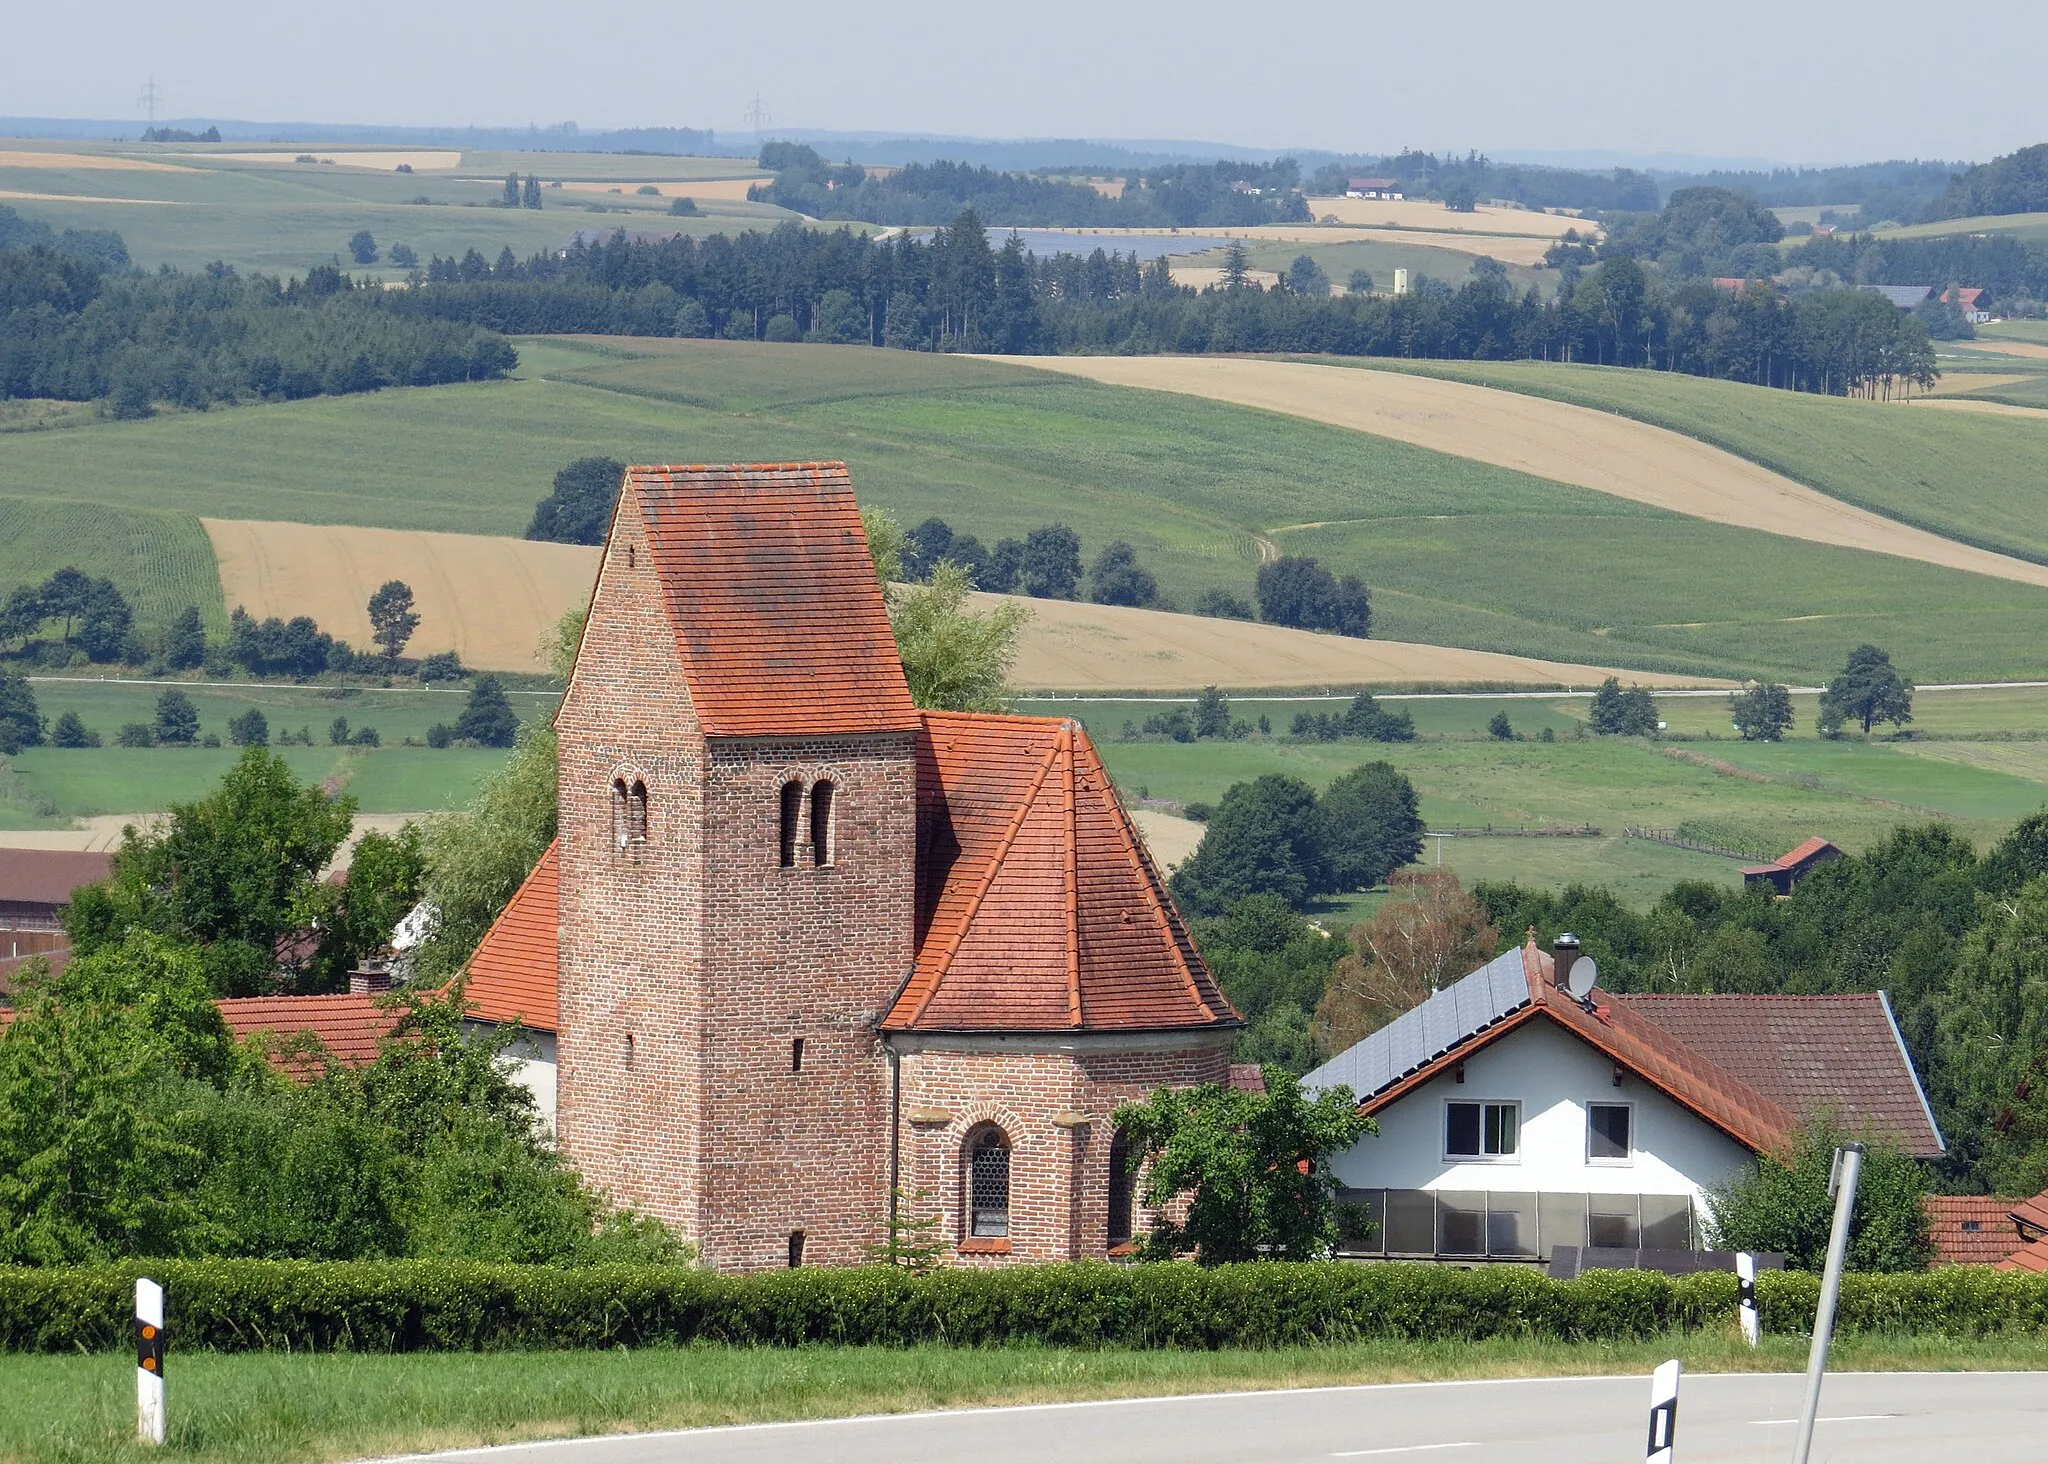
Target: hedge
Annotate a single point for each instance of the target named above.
(397, 1306)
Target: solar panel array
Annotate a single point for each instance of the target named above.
(1462, 1009)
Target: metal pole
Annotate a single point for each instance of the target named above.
(149, 1361)
(1842, 1185)
(1663, 1413)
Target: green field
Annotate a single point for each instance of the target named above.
(1967, 476)
(278, 1408)
(283, 217)
(162, 560)
(997, 450)
(1380, 259)
(2028, 226)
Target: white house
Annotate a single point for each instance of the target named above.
(1515, 1118)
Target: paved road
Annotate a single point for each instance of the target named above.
(1868, 1418)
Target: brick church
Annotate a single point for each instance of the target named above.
(801, 946)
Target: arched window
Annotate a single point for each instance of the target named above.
(821, 823)
(988, 1184)
(792, 820)
(1123, 1180)
(636, 813)
(620, 834)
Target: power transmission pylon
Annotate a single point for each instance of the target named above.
(757, 116)
(152, 97)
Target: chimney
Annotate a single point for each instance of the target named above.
(368, 978)
(1563, 951)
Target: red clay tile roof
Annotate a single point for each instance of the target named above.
(512, 974)
(351, 1027)
(2031, 1215)
(48, 876)
(1038, 909)
(1640, 1046)
(2032, 1256)
(776, 609)
(1994, 1238)
(1808, 1053)
(1792, 859)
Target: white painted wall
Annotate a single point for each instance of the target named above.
(1555, 1076)
(532, 1060)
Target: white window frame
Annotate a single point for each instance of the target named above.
(1482, 1104)
(1627, 1159)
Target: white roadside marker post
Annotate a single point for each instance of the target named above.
(1842, 1185)
(1663, 1412)
(149, 1361)
(1745, 1279)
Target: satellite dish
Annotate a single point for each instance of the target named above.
(1579, 980)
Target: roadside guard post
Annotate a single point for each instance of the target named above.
(149, 1361)
(1663, 1412)
(1745, 1280)
(1842, 1185)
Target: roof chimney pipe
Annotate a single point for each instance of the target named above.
(1563, 952)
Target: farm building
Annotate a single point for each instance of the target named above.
(1516, 1118)
(35, 884)
(1975, 304)
(1906, 297)
(801, 947)
(1389, 188)
(1783, 874)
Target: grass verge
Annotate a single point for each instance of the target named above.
(300, 1407)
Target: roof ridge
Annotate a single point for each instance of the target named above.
(1073, 838)
(951, 947)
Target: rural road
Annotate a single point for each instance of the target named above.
(1869, 1418)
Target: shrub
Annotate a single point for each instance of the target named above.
(782, 329)
(250, 729)
(177, 720)
(71, 731)
(440, 735)
(441, 666)
(137, 734)
(404, 1306)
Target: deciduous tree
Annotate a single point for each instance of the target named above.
(1428, 935)
(392, 620)
(1868, 690)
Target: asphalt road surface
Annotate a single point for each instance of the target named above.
(1869, 1418)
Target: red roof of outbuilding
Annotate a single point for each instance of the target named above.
(1808, 1054)
(777, 612)
(351, 1027)
(48, 876)
(1805, 853)
(1990, 1242)
(1038, 908)
(512, 974)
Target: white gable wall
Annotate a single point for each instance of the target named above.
(1554, 1076)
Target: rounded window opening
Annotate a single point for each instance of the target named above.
(792, 820)
(821, 823)
(988, 1184)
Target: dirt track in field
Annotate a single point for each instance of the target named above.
(82, 162)
(487, 599)
(1555, 440)
(492, 599)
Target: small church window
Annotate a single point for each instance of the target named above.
(796, 1054)
(792, 820)
(821, 823)
(988, 1184)
(1123, 1178)
(796, 1249)
(636, 813)
(620, 836)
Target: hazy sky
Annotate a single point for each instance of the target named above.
(1792, 80)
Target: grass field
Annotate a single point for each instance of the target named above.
(2028, 226)
(1457, 552)
(276, 1408)
(1972, 478)
(1380, 258)
(189, 206)
(160, 559)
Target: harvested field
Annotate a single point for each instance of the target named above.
(20, 195)
(1168, 838)
(1428, 214)
(422, 161)
(488, 599)
(1202, 277)
(2027, 349)
(1549, 439)
(716, 190)
(81, 162)
(1071, 646)
(1507, 248)
(1996, 409)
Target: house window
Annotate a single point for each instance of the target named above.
(1482, 1130)
(1123, 1180)
(988, 1184)
(792, 820)
(821, 823)
(1610, 1132)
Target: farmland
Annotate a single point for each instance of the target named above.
(1975, 479)
(997, 449)
(161, 560)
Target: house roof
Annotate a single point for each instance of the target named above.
(1808, 1054)
(1038, 908)
(1903, 296)
(512, 974)
(1515, 989)
(1794, 859)
(48, 876)
(349, 1026)
(1373, 182)
(1992, 1239)
(777, 613)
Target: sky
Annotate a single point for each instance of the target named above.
(1788, 80)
